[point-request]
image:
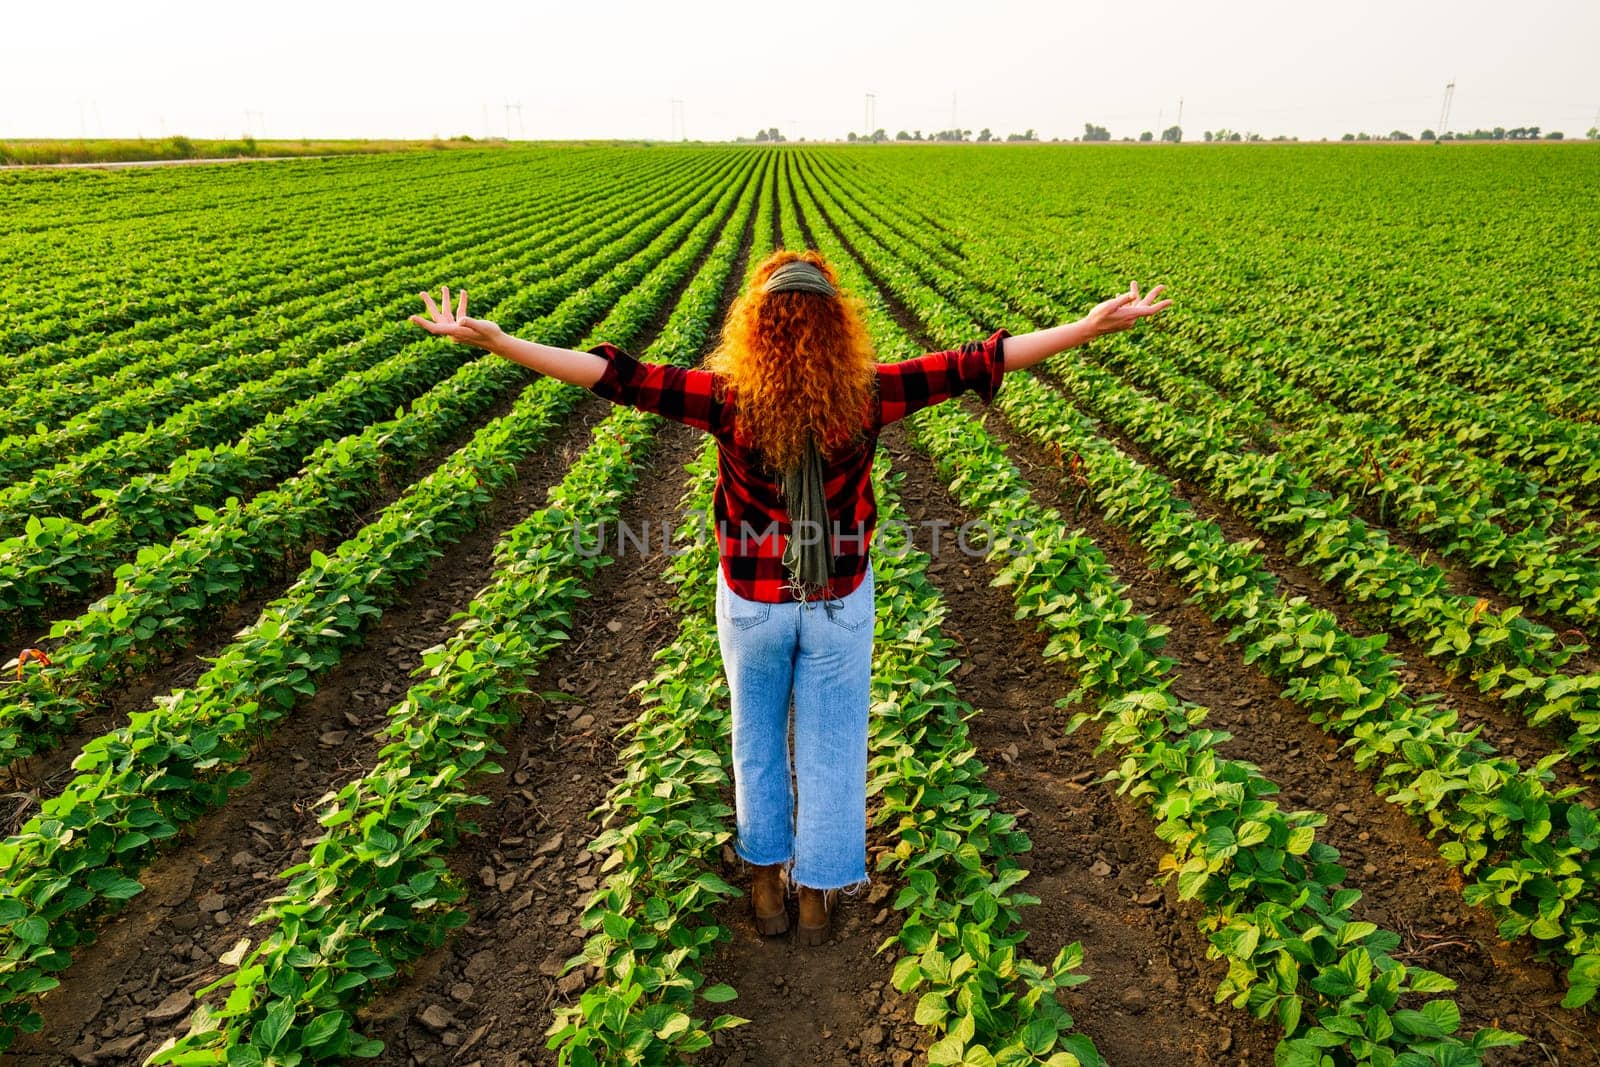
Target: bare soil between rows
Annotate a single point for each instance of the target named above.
(1407, 887)
(201, 894)
(487, 996)
(116, 1003)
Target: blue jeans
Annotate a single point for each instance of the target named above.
(819, 655)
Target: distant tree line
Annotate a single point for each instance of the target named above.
(1499, 133)
(1226, 134)
(985, 135)
(1174, 135)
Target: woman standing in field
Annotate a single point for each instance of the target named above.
(796, 402)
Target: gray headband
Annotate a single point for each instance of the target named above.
(798, 276)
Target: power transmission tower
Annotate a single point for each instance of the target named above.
(1180, 118)
(953, 125)
(1444, 111)
(517, 107)
(871, 114)
(680, 125)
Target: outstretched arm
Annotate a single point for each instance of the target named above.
(578, 368)
(1119, 313)
(679, 393)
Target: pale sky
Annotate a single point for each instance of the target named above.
(123, 68)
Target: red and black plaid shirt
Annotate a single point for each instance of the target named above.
(751, 519)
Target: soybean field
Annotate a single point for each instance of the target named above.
(1234, 698)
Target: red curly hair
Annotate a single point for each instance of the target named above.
(797, 363)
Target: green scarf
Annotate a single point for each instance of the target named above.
(809, 559)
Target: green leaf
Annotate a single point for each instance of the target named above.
(322, 1029)
(1040, 1036)
(31, 931)
(272, 1028)
(931, 1009)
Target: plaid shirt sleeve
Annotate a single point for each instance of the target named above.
(913, 384)
(678, 393)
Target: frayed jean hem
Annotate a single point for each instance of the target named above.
(739, 850)
(850, 888)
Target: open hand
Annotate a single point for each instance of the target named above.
(480, 333)
(1121, 312)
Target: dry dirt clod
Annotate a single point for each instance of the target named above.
(436, 1018)
(170, 1008)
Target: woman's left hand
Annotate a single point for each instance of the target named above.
(1121, 312)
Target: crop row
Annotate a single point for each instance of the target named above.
(958, 933)
(1533, 850)
(1295, 951)
(121, 384)
(1510, 657)
(663, 822)
(1514, 429)
(1549, 570)
(139, 783)
(374, 892)
(1474, 510)
(122, 279)
(1295, 266)
(57, 559)
(956, 854)
(169, 592)
(68, 487)
(1489, 489)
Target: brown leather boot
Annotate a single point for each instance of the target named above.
(766, 898)
(816, 915)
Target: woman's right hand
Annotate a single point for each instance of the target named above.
(480, 333)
